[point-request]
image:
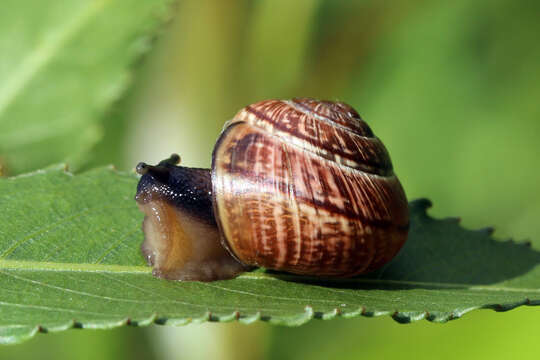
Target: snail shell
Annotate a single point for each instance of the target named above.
(301, 186)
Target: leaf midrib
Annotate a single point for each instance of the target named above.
(75, 267)
(107, 268)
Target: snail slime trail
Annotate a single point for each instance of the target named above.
(182, 241)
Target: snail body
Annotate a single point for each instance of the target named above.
(301, 186)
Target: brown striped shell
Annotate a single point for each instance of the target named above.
(305, 187)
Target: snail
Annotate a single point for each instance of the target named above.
(301, 186)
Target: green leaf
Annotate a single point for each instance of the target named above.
(69, 257)
(61, 68)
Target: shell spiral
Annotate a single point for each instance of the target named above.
(305, 187)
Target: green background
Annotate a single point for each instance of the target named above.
(453, 90)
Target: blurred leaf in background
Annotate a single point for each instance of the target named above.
(451, 88)
(62, 64)
(122, 343)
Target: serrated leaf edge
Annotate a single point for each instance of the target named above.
(403, 317)
(294, 320)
